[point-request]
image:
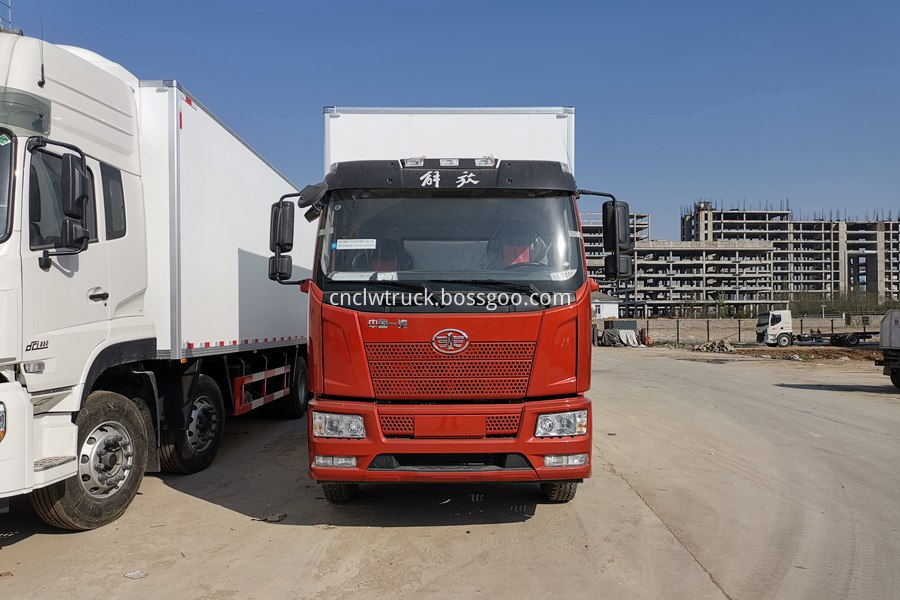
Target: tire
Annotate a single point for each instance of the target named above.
(111, 431)
(852, 340)
(192, 450)
(338, 493)
(595, 335)
(783, 340)
(562, 491)
(293, 406)
(895, 378)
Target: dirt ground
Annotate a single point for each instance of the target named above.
(714, 476)
(869, 355)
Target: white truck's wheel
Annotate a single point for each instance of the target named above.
(193, 449)
(112, 442)
(783, 340)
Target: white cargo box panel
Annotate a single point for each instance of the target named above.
(546, 133)
(208, 198)
(890, 330)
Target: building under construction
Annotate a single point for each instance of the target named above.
(741, 262)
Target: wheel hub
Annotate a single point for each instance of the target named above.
(106, 459)
(204, 425)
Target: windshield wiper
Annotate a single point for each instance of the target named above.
(509, 285)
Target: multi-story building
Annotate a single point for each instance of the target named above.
(686, 278)
(824, 257)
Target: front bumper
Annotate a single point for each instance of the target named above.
(521, 455)
(15, 449)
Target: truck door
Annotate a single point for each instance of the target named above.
(65, 307)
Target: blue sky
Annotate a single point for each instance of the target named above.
(675, 101)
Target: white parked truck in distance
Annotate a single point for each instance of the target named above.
(135, 312)
(890, 346)
(776, 328)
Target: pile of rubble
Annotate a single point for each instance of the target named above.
(717, 346)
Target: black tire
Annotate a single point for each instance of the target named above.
(561, 491)
(338, 493)
(852, 340)
(193, 449)
(895, 378)
(783, 340)
(69, 504)
(595, 335)
(293, 406)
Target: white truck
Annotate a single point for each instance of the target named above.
(776, 328)
(890, 346)
(135, 312)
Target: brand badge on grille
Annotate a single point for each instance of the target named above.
(450, 341)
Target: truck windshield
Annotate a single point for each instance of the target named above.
(491, 238)
(6, 169)
(762, 320)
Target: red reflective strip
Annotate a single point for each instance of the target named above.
(234, 342)
(246, 341)
(206, 344)
(180, 123)
(189, 101)
(190, 345)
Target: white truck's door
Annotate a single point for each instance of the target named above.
(65, 308)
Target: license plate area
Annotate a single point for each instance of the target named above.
(450, 426)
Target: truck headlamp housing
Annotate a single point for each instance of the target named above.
(336, 425)
(573, 422)
(2, 421)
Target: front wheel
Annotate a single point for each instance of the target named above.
(783, 340)
(112, 442)
(561, 491)
(338, 493)
(193, 449)
(895, 378)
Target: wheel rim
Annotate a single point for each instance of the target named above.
(204, 425)
(107, 459)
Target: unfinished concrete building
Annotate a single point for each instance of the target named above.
(686, 278)
(823, 257)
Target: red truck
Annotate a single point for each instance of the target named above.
(449, 325)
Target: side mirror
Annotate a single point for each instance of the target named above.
(280, 267)
(281, 227)
(617, 240)
(74, 236)
(75, 187)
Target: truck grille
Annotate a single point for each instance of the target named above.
(483, 371)
(505, 425)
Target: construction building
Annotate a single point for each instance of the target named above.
(741, 262)
(686, 278)
(824, 257)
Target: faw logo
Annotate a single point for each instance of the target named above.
(450, 341)
(37, 345)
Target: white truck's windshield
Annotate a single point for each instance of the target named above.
(386, 236)
(762, 320)
(6, 169)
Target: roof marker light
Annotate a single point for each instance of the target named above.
(415, 162)
(487, 161)
(449, 162)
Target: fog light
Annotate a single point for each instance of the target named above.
(565, 460)
(336, 461)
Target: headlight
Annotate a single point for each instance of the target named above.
(573, 422)
(2, 421)
(336, 425)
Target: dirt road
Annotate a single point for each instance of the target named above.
(726, 478)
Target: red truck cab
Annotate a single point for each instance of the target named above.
(449, 325)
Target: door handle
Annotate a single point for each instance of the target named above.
(99, 297)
